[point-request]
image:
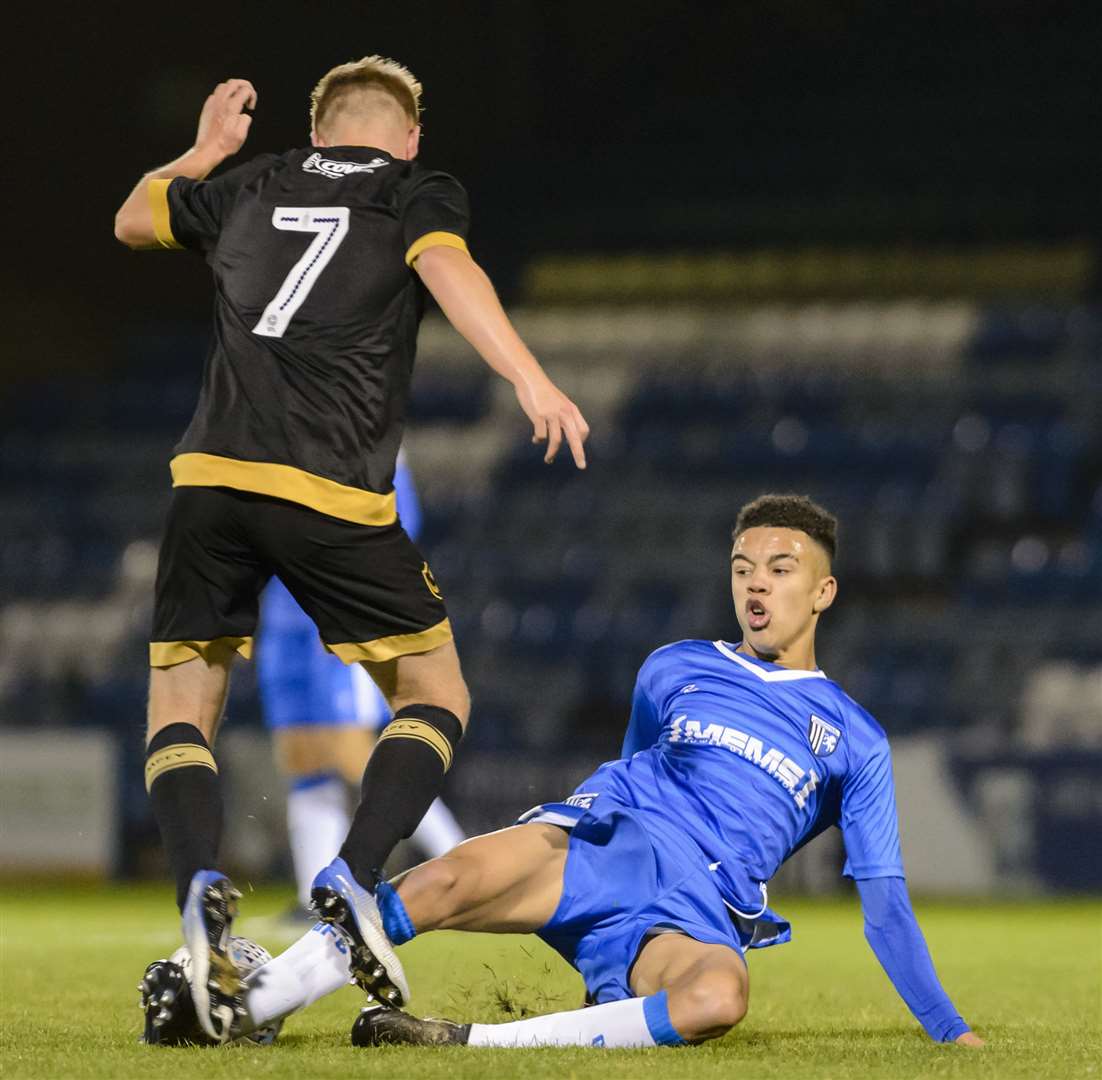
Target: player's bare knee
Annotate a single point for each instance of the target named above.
(352, 747)
(436, 891)
(432, 678)
(462, 706)
(451, 694)
(297, 753)
(708, 1006)
(193, 692)
(460, 877)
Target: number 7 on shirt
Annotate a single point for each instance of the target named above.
(330, 224)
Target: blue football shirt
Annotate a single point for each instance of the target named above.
(753, 760)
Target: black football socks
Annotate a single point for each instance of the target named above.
(404, 774)
(182, 780)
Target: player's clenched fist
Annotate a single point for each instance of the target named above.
(223, 125)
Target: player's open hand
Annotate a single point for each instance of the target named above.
(970, 1039)
(554, 418)
(223, 125)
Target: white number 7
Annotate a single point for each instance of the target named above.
(331, 225)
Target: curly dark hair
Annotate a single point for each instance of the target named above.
(790, 512)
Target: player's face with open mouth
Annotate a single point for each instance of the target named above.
(780, 579)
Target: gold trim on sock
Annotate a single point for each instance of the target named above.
(422, 732)
(177, 756)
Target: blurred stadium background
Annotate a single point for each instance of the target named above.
(847, 250)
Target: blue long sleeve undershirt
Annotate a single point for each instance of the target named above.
(894, 936)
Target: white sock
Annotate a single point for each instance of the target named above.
(317, 823)
(316, 965)
(438, 832)
(632, 1023)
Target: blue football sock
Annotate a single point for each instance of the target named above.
(396, 921)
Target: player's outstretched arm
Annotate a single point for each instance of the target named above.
(466, 296)
(223, 128)
(892, 931)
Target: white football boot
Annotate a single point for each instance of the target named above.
(209, 911)
(340, 900)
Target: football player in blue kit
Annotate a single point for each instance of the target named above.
(651, 879)
(323, 716)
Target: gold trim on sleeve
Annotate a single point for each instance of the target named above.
(162, 219)
(286, 482)
(387, 648)
(177, 757)
(164, 654)
(435, 239)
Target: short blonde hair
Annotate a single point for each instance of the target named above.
(371, 73)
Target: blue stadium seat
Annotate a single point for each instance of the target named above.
(1035, 333)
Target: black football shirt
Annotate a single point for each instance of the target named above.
(315, 319)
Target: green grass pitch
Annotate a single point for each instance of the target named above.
(1029, 977)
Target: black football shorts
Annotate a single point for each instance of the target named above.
(368, 590)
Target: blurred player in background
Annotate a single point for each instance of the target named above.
(323, 716)
(321, 257)
(651, 878)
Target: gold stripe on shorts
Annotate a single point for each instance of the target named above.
(164, 654)
(422, 732)
(387, 648)
(286, 482)
(177, 757)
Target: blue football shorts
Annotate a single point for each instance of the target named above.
(301, 683)
(627, 876)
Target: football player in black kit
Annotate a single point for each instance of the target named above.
(321, 257)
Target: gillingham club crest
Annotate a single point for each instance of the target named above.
(822, 736)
